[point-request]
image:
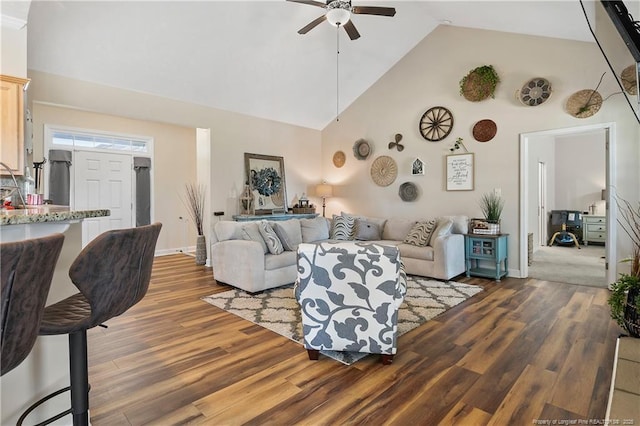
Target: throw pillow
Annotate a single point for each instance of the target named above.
(289, 233)
(342, 228)
(367, 231)
(270, 238)
(420, 233)
(444, 228)
(251, 232)
(314, 229)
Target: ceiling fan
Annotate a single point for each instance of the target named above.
(338, 13)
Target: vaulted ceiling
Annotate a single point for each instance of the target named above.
(246, 56)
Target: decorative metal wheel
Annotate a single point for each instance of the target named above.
(436, 124)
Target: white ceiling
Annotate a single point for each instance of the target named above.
(246, 56)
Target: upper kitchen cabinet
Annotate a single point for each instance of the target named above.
(12, 126)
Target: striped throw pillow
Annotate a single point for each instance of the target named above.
(342, 228)
(420, 233)
(270, 237)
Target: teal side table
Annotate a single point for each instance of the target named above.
(486, 255)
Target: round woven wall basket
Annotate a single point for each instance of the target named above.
(474, 88)
(484, 130)
(384, 170)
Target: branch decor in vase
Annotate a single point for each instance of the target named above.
(195, 206)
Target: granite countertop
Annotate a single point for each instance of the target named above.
(46, 213)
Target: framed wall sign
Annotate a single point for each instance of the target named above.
(265, 175)
(417, 167)
(460, 172)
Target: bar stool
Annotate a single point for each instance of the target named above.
(112, 273)
(26, 271)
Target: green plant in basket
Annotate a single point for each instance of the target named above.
(491, 205)
(624, 299)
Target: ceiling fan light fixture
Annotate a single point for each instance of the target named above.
(338, 17)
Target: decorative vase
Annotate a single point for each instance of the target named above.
(631, 316)
(201, 250)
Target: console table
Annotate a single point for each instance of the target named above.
(491, 250)
(276, 217)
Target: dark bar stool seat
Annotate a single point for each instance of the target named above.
(26, 271)
(112, 273)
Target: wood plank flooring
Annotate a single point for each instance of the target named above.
(519, 351)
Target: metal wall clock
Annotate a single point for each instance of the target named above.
(436, 124)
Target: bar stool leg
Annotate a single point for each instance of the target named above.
(78, 367)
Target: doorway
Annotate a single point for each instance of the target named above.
(529, 195)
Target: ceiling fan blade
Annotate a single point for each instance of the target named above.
(310, 3)
(311, 25)
(374, 10)
(351, 30)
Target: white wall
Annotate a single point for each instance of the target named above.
(428, 76)
(580, 172)
(13, 52)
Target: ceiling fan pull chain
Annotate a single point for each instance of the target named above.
(338, 73)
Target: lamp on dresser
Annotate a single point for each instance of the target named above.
(324, 191)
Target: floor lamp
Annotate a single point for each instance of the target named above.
(324, 190)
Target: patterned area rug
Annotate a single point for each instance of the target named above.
(278, 311)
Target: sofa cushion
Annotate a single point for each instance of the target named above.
(289, 233)
(415, 252)
(277, 261)
(367, 231)
(228, 230)
(379, 221)
(444, 228)
(420, 233)
(460, 223)
(315, 229)
(342, 228)
(397, 229)
(270, 237)
(251, 232)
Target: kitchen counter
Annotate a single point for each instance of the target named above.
(46, 213)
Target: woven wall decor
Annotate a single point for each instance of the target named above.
(384, 170)
(584, 103)
(339, 159)
(535, 92)
(361, 149)
(629, 80)
(408, 191)
(484, 130)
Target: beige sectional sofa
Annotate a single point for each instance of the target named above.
(241, 254)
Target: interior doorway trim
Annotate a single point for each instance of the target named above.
(610, 161)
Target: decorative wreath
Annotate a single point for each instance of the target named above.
(266, 181)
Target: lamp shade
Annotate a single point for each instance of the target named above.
(324, 190)
(338, 16)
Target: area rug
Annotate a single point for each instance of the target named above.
(278, 311)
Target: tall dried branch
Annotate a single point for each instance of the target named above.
(630, 222)
(195, 204)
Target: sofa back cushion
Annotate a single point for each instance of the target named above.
(460, 223)
(315, 229)
(289, 232)
(251, 232)
(228, 230)
(397, 229)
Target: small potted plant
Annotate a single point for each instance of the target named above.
(624, 299)
(492, 205)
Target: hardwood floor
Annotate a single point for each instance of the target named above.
(519, 351)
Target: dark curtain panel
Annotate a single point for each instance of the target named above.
(59, 176)
(142, 165)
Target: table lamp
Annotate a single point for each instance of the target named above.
(324, 190)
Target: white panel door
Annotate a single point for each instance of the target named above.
(103, 181)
